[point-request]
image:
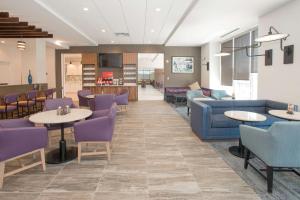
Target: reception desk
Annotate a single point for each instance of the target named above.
(115, 89)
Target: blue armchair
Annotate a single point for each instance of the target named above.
(277, 147)
(190, 95)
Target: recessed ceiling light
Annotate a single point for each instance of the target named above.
(103, 30)
(2, 41)
(85, 9)
(112, 41)
(152, 30)
(157, 9)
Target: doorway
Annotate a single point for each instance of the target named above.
(150, 76)
(71, 75)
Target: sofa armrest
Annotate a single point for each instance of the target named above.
(201, 115)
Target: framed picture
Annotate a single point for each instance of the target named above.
(184, 65)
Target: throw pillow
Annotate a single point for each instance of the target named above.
(195, 86)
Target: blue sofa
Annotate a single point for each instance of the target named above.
(209, 122)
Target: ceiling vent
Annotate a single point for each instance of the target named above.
(122, 34)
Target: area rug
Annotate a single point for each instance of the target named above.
(286, 185)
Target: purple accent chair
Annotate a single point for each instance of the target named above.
(122, 99)
(11, 104)
(102, 102)
(18, 138)
(48, 94)
(53, 104)
(83, 101)
(96, 130)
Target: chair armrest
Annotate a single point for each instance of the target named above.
(18, 141)
(15, 123)
(100, 113)
(258, 141)
(98, 129)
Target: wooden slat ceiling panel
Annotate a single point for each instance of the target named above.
(11, 27)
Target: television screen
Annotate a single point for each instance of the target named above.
(112, 60)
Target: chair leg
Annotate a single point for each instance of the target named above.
(2, 167)
(79, 152)
(188, 111)
(247, 157)
(270, 179)
(108, 151)
(43, 159)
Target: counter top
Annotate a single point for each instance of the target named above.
(125, 85)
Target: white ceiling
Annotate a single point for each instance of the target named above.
(150, 60)
(73, 26)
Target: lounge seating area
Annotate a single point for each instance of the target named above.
(149, 100)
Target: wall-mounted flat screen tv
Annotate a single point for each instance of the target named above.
(112, 60)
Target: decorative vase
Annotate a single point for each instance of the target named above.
(29, 78)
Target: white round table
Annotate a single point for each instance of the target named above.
(284, 115)
(242, 116)
(62, 154)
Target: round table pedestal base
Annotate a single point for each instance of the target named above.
(236, 151)
(53, 157)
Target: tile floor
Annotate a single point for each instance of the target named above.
(155, 157)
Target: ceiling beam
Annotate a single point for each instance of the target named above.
(17, 28)
(9, 20)
(183, 17)
(27, 36)
(4, 14)
(21, 30)
(60, 17)
(4, 24)
(24, 33)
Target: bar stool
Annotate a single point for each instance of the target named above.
(10, 105)
(30, 102)
(48, 94)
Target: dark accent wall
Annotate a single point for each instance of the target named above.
(169, 78)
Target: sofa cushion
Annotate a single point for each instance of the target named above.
(218, 94)
(221, 121)
(206, 92)
(195, 86)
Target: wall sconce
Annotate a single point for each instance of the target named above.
(273, 35)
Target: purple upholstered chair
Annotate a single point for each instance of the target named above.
(122, 99)
(18, 138)
(48, 94)
(83, 101)
(53, 104)
(102, 102)
(97, 130)
(11, 104)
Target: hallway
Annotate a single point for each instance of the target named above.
(155, 156)
(149, 93)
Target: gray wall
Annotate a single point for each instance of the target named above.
(174, 79)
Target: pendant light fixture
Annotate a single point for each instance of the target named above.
(21, 45)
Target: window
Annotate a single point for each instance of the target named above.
(238, 70)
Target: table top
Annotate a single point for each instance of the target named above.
(51, 117)
(245, 116)
(91, 96)
(283, 114)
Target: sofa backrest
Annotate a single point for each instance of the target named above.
(219, 107)
(274, 105)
